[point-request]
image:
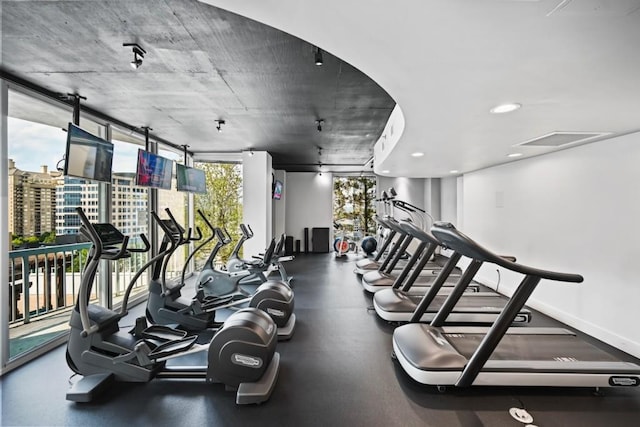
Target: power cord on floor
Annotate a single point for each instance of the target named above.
(71, 383)
(498, 282)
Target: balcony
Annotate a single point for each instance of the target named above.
(43, 284)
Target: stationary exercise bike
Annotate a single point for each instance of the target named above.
(342, 244)
(241, 354)
(167, 306)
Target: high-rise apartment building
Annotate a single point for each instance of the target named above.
(129, 204)
(44, 201)
(32, 200)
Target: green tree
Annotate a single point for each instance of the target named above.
(17, 241)
(222, 205)
(79, 260)
(31, 239)
(353, 204)
(48, 237)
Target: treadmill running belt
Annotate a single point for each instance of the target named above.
(532, 347)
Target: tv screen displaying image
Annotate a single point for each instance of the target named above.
(190, 179)
(87, 156)
(153, 171)
(277, 190)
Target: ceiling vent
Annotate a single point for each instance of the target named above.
(560, 139)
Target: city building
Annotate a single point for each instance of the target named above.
(129, 204)
(32, 200)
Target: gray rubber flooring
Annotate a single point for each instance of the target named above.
(336, 371)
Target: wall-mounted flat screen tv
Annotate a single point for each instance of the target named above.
(277, 190)
(87, 156)
(190, 179)
(153, 171)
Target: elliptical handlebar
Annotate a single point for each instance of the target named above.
(99, 253)
(183, 239)
(206, 221)
(198, 235)
(226, 232)
(220, 235)
(246, 230)
(147, 245)
(167, 230)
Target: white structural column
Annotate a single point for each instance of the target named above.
(4, 225)
(279, 206)
(432, 199)
(256, 199)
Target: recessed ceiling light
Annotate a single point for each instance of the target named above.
(505, 108)
(514, 155)
(454, 171)
(417, 154)
(385, 171)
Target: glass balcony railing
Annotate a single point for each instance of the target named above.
(43, 284)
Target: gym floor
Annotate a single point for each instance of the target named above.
(336, 371)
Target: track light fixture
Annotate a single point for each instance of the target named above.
(138, 54)
(318, 57)
(219, 124)
(319, 122)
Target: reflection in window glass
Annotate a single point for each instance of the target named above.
(129, 204)
(177, 203)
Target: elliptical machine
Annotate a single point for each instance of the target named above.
(259, 267)
(241, 354)
(167, 306)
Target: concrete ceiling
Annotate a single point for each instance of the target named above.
(202, 64)
(574, 66)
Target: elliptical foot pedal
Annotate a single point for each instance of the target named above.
(260, 391)
(172, 347)
(286, 332)
(89, 387)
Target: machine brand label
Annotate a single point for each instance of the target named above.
(441, 341)
(245, 360)
(624, 381)
(275, 312)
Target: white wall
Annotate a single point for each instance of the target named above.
(575, 211)
(433, 198)
(410, 190)
(309, 198)
(256, 199)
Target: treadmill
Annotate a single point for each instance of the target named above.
(500, 355)
(399, 304)
(369, 264)
(393, 257)
(423, 275)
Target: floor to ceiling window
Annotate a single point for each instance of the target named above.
(353, 210)
(44, 269)
(222, 205)
(46, 255)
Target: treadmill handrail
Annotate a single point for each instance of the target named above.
(452, 238)
(395, 225)
(418, 233)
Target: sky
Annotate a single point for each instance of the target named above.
(32, 145)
